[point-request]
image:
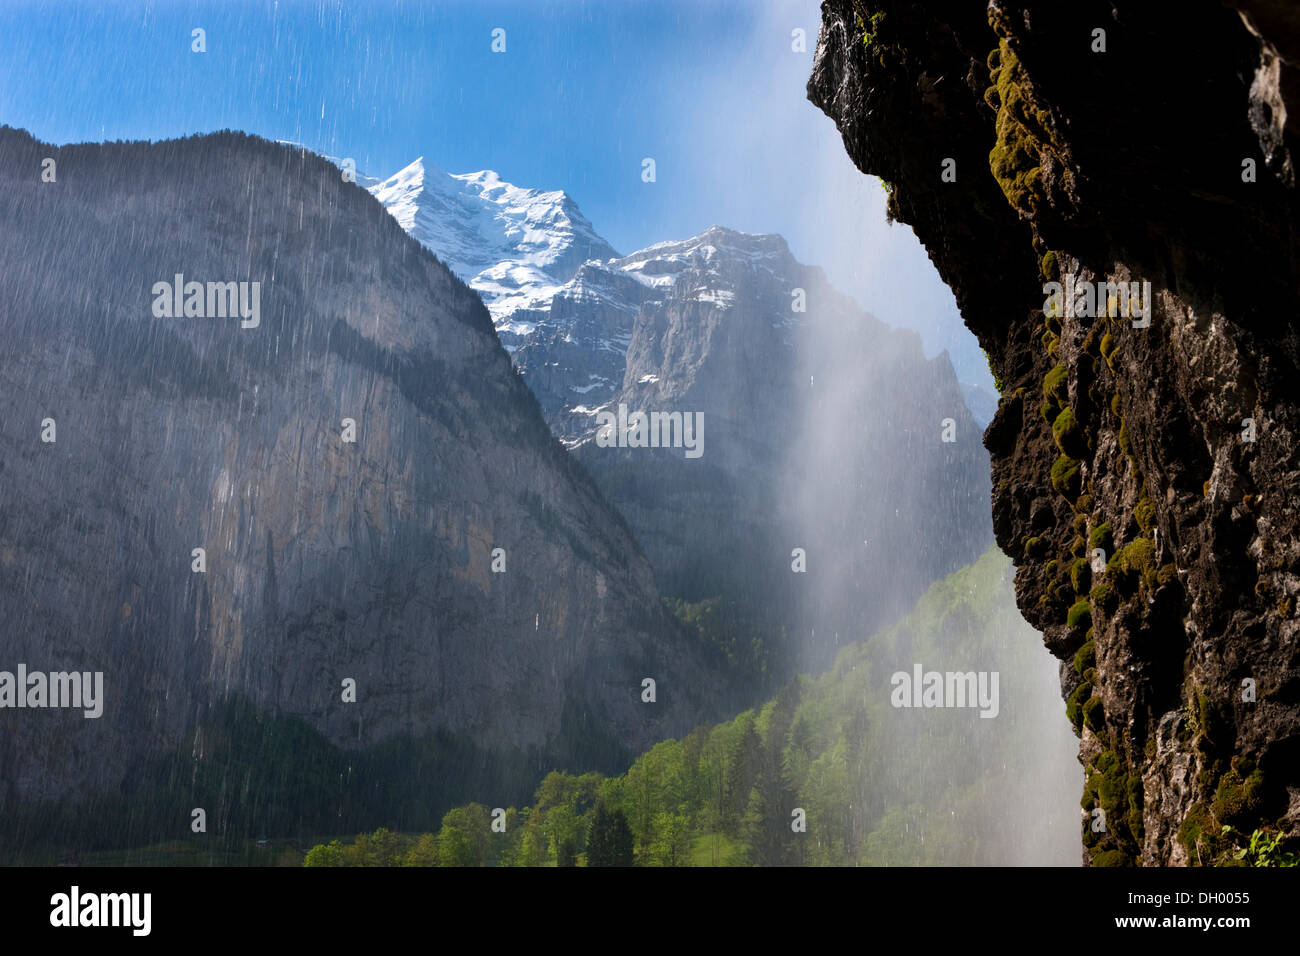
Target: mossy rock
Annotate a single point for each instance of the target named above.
(1198, 828)
(1066, 478)
(1133, 564)
(1056, 385)
(1085, 657)
(1081, 576)
(1125, 445)
(1103, 597)
(1079, 616)
(1051, 567)
(1102, 537)
(1067, 433)
(1108, 345)
(1094, 715)
(1145, 514)
(1078, 546)
(1051, 270)
(1238, 801)
(1050, 410)
(1035, 547)
(1114, 405)
(1167, 574)
(1084, 504)
(1024, 136)
(1074, 709)
(1112, 858)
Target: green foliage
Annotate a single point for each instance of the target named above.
(997, 381)
(724, 625)
(832, 746)
(1264, 849)
(609, 841)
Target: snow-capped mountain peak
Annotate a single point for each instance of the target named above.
(515, 246)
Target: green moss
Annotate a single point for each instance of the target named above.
(1112, 858)
(1050, 410)
(1145, 514)
(1074, 713)
(1023, 136)
(1050, 268)
(1078, 546)
(1085, 657)
(1051, 567)
(1056, 385)
(1101, 537)
(1094, 715)
(1084, 504)
(1065, 476)
(1133, 564)
(1237, 801)
(1081, 576)
(1102, 597)
(1125, 445)
(1035, 547)
(1114, 405)
(1108, 345)
(1066, 432)
(1079, 616)
(1198, 832)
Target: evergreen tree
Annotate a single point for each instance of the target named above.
(610, 840)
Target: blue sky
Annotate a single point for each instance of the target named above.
(710, 89)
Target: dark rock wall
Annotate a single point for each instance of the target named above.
(1144, 478)
(325, 560)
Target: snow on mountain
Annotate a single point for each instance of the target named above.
(516, 247)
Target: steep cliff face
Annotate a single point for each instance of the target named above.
(1144, 453)
(325, 559)
(805, 402)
